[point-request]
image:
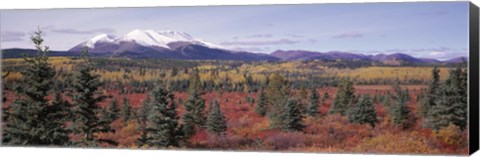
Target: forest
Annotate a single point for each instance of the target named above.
(292, 106)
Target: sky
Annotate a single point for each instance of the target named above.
(436, 30)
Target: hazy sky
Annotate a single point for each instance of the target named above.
(427, 29)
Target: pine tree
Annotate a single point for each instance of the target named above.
(292, 117)
(32, 119)
(194, 118)
(261, 107)
(363, 112)
(401, 114)
(126, 111)
(142, 122)
(113, 109)
(216, 120)
(163, 129)
(313, 103)
(277, 94)
(106, 121)
(344, 97)
(451, 106)
(86, 111)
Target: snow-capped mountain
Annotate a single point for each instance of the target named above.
(102, 38)
(145, 38)
(161, 44)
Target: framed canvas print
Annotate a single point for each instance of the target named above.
(361, 78)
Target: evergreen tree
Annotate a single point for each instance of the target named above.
(313, 103)
(216, 122)
(261, 107)
(126, 110)
(400, 112)
(194, 118)
(277, 94)
(344, 97)
(451, 106)
(142, 122)
(106, 121)
(292, 117)
(163, 129)
(32, 119)
(113, 108)
(86, 111)
(363, 112)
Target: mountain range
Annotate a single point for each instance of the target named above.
(180, 45)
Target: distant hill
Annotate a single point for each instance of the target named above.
(388, 59)
(168, 44)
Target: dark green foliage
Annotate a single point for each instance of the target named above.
(142, 122)
(277, 94)
(387, 100)
(428, 100)
(292, 117)
(401, 114)
(4, 108)
(194, 118)
(325, 96)
(162, 127)
(312, 109)
(86, 111)
(344, 97)
(113, 109)
(216, 122)
(261, 107)
(105, 120)
(126, 110)
(363, 112)
(451, 106)
(32, 119)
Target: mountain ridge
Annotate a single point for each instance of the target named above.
(171, 44)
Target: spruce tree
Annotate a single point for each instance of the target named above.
(32, 118)
(142, 122)
(292, 117)
(277, 94)
(312, 109)
(216, 122)
(86, 112)
(363, 112)
(113, 109)
(261, 107)
(344, 97)
(163, 129)
(400, 112)
(126, 110)
(451, 106)
(194, 118)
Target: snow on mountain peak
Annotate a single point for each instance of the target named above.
(97, 39)
(149, 38)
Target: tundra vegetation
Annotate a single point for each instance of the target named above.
(307, 106)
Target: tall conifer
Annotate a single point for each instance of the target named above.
(32, 118)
